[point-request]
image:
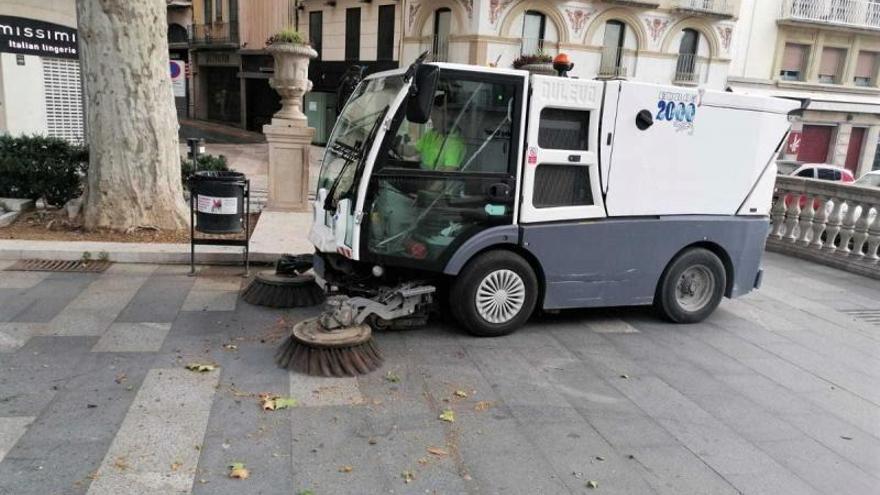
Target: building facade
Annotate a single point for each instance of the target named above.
(827, 51)
(685, 42)
(40, 85)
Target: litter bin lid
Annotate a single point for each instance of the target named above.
(215, 175)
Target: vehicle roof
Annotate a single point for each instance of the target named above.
(822, 165)
(461, 67)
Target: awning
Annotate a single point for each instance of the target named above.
(819, 100)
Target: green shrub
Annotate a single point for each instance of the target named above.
(35, 167)
(536, 58)
(206, 162)
(288, 35)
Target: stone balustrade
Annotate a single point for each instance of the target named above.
(828, 222)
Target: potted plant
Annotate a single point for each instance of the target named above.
(291, 77)
(536, 63)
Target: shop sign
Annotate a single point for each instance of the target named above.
(33, 37)
(794, 143)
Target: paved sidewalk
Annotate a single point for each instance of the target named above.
(776, 393)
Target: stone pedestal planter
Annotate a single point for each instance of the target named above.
(289, 135)
(544, 69)
(291, 79)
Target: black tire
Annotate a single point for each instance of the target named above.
(463, 296)
(685, 306)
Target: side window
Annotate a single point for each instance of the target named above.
(562, 185)
(807, 172)
(562, 129)
(469, 130)
(828, 174)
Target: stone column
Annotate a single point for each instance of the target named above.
(840, 146)
(289, 135)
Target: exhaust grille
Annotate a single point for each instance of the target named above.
(76, 266)
(871, 316)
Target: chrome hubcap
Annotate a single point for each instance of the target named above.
(694, 288)
(500, 296)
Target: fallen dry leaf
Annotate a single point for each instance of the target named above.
(624, 376)
(422, 460)
(448, 416)
(272, 402)
(407, 476)
(121, 463)
(346, 469)
(438, 451)
(230, 347)
(592, 484)
(460, 393)
(175, 466)
(238, 471)
(483, 405)
(120, 378)
(392, 377)
(201, 367)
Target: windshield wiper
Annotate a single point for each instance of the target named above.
(331, 202)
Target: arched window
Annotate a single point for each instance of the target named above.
(686, 66)
(534, 26)
(612, 50)
(177, 33)
(442, 25)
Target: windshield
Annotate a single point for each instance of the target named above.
(354, 127)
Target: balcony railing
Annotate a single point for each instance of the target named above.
(440, 49)
(690, 69)
(617, 63)
(830, 222)
(863, 14)
(715, 8)
(531, 46)
(217, 33)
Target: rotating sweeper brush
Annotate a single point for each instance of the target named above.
(288, 286)
(339, 342)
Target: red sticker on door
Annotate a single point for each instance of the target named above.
(532, 158)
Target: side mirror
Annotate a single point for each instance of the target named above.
(421, 94)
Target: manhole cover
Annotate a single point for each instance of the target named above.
(59, 266)
(871, 316)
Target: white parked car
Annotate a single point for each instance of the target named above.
(823, 171)
(870, 179)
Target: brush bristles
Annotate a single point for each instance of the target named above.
(356, 360)
(282, 296)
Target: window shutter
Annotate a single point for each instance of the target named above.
(794, 57)
(832, 59)
(64, 110)
(866, 64)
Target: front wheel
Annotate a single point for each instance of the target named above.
(494, 294)
(691, 286)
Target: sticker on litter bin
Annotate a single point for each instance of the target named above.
(217, 206)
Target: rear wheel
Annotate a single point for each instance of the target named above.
(494, 294)
(691, 286)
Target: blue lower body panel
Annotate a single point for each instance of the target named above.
(618, 262)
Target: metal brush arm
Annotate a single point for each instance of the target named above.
(401, 301)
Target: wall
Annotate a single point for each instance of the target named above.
(260, 19)
(23, 98)
(333, 39)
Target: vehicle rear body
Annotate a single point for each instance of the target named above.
(598, 185)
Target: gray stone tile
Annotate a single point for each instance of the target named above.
(21, 280)
(676, 470)
(313, 391)
(133, 337)
(164, 426)
(159, 298)
(11, 429)
(51, 296)
(823, 469)
(210, 300)
(82, 322)
(15, 335)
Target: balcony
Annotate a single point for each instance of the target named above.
(646, 4)
(690, 70)
(218, 33)
(723, 9)
(617, 63)
(858, 14)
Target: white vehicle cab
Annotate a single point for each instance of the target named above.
(509, 191)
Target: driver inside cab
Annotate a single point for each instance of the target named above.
(441, 148)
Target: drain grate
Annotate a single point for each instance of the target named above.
(871, 316)
(77, 266)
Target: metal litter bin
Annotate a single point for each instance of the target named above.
(219, 201)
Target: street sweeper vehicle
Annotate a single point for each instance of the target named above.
(489, 193)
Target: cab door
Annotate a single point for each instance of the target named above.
(560, 178)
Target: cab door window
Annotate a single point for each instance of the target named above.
(436, 184)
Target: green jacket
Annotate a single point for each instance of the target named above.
(451, 156)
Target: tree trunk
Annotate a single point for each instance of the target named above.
(134, 159)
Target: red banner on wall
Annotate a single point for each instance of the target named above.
(794, 143)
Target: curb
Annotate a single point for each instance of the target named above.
(128, 252)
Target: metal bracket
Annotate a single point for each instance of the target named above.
(390, 304)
